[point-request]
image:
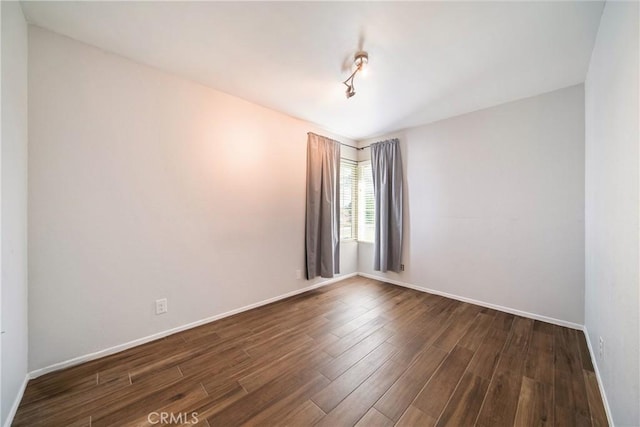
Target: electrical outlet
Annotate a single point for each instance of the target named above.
(298, 274)
(401, 267)
(161, 306)
(601, 348)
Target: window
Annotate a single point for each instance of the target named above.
(366, 203)
(357, 214)
(348, 199)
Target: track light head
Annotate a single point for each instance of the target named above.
(350, 92)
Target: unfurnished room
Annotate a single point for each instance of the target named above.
(326, 213)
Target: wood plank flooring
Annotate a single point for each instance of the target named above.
(359, 352)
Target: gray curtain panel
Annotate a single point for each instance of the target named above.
(386, 165)
(322, 242)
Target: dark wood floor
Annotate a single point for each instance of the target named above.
(359, 352)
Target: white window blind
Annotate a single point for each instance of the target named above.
(348, 199)
(366, 203)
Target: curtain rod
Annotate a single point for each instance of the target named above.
(342, 143)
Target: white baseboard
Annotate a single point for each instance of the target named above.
(527, 314)
(16, 402)
(607, 409)
(130, 344)
(118, 348)
(108, 351)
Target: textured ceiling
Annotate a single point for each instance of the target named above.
(428, 61)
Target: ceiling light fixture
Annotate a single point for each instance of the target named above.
(360, 61)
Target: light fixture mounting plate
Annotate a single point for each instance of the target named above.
(361, 58)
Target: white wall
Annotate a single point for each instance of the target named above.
(143, 185)
(494, 206)
(612, 305)
(14, 205)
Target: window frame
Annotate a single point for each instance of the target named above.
(363, 189)
(353, 165)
